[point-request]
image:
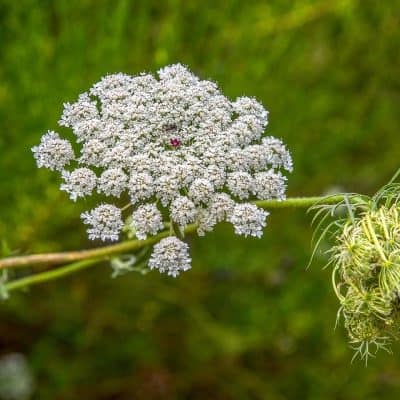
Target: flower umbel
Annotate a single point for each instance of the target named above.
(105, 221)
(171, 256)
(174, 145)
(147, 220)
(53, 152)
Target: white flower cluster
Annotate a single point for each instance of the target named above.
(178, 148)
(105, 221)
(170, 255)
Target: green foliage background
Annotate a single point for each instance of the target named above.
(248, 321)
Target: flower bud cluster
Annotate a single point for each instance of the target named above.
(177, 148)
(366, 276)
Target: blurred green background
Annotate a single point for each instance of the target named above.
(248, 321)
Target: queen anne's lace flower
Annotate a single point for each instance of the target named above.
(105, 221)
(248, 219)
(147, 220)
(79, 183)
(216, 176)
(174, 142)
(112, 182)
(170, 255)
(201, 190)
(141, 186)
(240, 184)
(206, 221)
(269, 185)
(246, 129)
(167, 189)
(82, 117)
(221, 206)
(278, 155)
(53, 152)
(249, 106)
(183, 211)
(93, 152)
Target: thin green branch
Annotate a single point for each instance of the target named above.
(70, 256)
(50, 275)
(133, 245)
(87, 258)
(299, 202)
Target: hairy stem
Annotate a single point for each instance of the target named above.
(133, 245)
(299, 202)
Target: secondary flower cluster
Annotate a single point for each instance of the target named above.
(366, 261)
(179, 149)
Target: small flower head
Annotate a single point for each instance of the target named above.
(246, 129)
(93, 153)
(201, 190)
(206, 221)
(240, 184)
(79, 183)
(147, 220)
(167, 188)
(170, 256)
(269, 185)
(220, 209)
(216, 176)
(183, 211)
(278, 155)
(53, 152)
(221, 206)
(141, 186)
(248, 220)
(77, 115)
(245, 106)
(105, 221)
(112, 182)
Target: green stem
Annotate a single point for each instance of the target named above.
(70, 256)
(133, 245)
(50, 275)
(299, 202)
(91, 257)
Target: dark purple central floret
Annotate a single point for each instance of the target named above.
(175, 142)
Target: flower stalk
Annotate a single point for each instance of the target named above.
(82, 259)
(61, 272)
(53, 259)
